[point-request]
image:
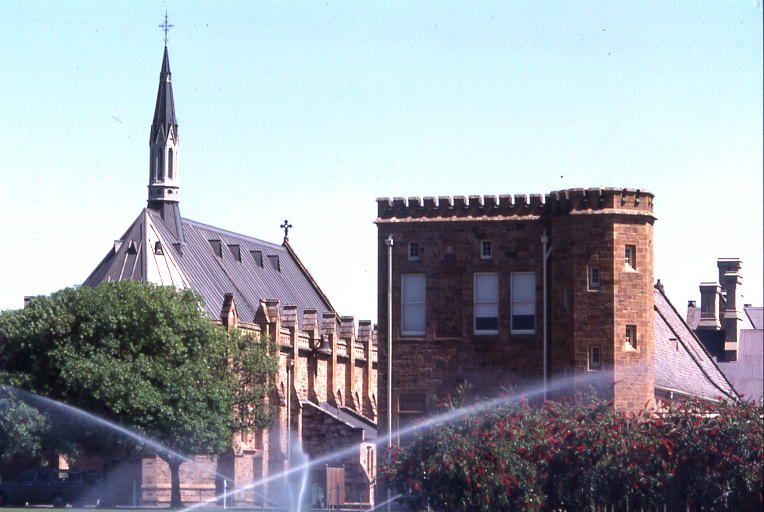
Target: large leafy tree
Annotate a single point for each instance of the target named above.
(142, 356)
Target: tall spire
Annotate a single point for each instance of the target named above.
(164, 176)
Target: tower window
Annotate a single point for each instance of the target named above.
(413, 304)
(595, 358)
(631, 337)
(630, 257)
(486, 303)
(523, 302)
(485, 250)
(169, 163)
(414, 251)
(594, 278)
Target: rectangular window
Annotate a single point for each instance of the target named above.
(630, 256)
(523, 302)
(595, 358)
(594, 278)
(486, 303)
(412, 408)
(413, 304)
(413, 251)
(486, 250)
(631, 337)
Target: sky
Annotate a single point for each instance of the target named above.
(310, 110)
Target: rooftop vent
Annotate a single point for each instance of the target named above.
(235, 250)
(132, 248)
(275, 261)
(258, 257)
(158, 249)
(217, 247)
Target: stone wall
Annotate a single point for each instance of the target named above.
(586, 228)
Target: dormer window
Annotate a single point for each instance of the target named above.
(414, 251)
(486, 250)
(158, 249)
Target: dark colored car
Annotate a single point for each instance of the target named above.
(51, 486)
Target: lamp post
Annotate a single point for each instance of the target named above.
(546, 251)
(389, 245)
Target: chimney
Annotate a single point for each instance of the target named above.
(709, 306)
(692, 314)
(731, 312)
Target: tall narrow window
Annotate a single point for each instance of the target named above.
(630, 256)
(169, 163)
(594, 278)
(595, 358)
(486, 252)
(413, 251)
(486, 303)
(159, 164)
(523, 302)
(631, 337)
(413, 304)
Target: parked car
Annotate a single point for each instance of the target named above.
(51, 486)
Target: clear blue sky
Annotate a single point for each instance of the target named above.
(311, 110)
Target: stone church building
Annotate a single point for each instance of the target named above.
(327, 377)
(552, 292)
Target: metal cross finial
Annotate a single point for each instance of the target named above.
(286, 226)
(166, 27)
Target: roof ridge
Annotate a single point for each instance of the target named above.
(186, 220)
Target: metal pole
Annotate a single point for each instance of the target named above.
(544, 242)
(389, 244)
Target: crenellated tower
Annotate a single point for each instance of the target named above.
(164, 176)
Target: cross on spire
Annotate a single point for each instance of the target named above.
(166, 27)
(286, 226)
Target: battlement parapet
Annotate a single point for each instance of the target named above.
(520, 206)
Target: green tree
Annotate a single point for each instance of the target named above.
(21, 430)
(143, 356)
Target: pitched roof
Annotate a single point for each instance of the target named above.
(747, 373)
(755, 316)
(212, 262)
(682, 364)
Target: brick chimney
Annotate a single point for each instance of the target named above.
(731, 310)
(709, 306)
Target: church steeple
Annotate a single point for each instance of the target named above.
(164, 177)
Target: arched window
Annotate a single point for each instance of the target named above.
(169, 164)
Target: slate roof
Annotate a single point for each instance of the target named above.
(747, 373)
(755, 316)
(212, 262)
(348, 417)
(682, 364)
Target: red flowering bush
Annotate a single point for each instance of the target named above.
(579, 455)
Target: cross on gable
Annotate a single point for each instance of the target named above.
(286, 226)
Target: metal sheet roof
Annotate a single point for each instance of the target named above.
(212, 274)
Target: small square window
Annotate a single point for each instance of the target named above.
(594, 278)
(486, 251)
(631, 337)
(414, 251)
(595, 358)
(630, 256)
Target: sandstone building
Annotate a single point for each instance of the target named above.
(326, 381)
(511, 291)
